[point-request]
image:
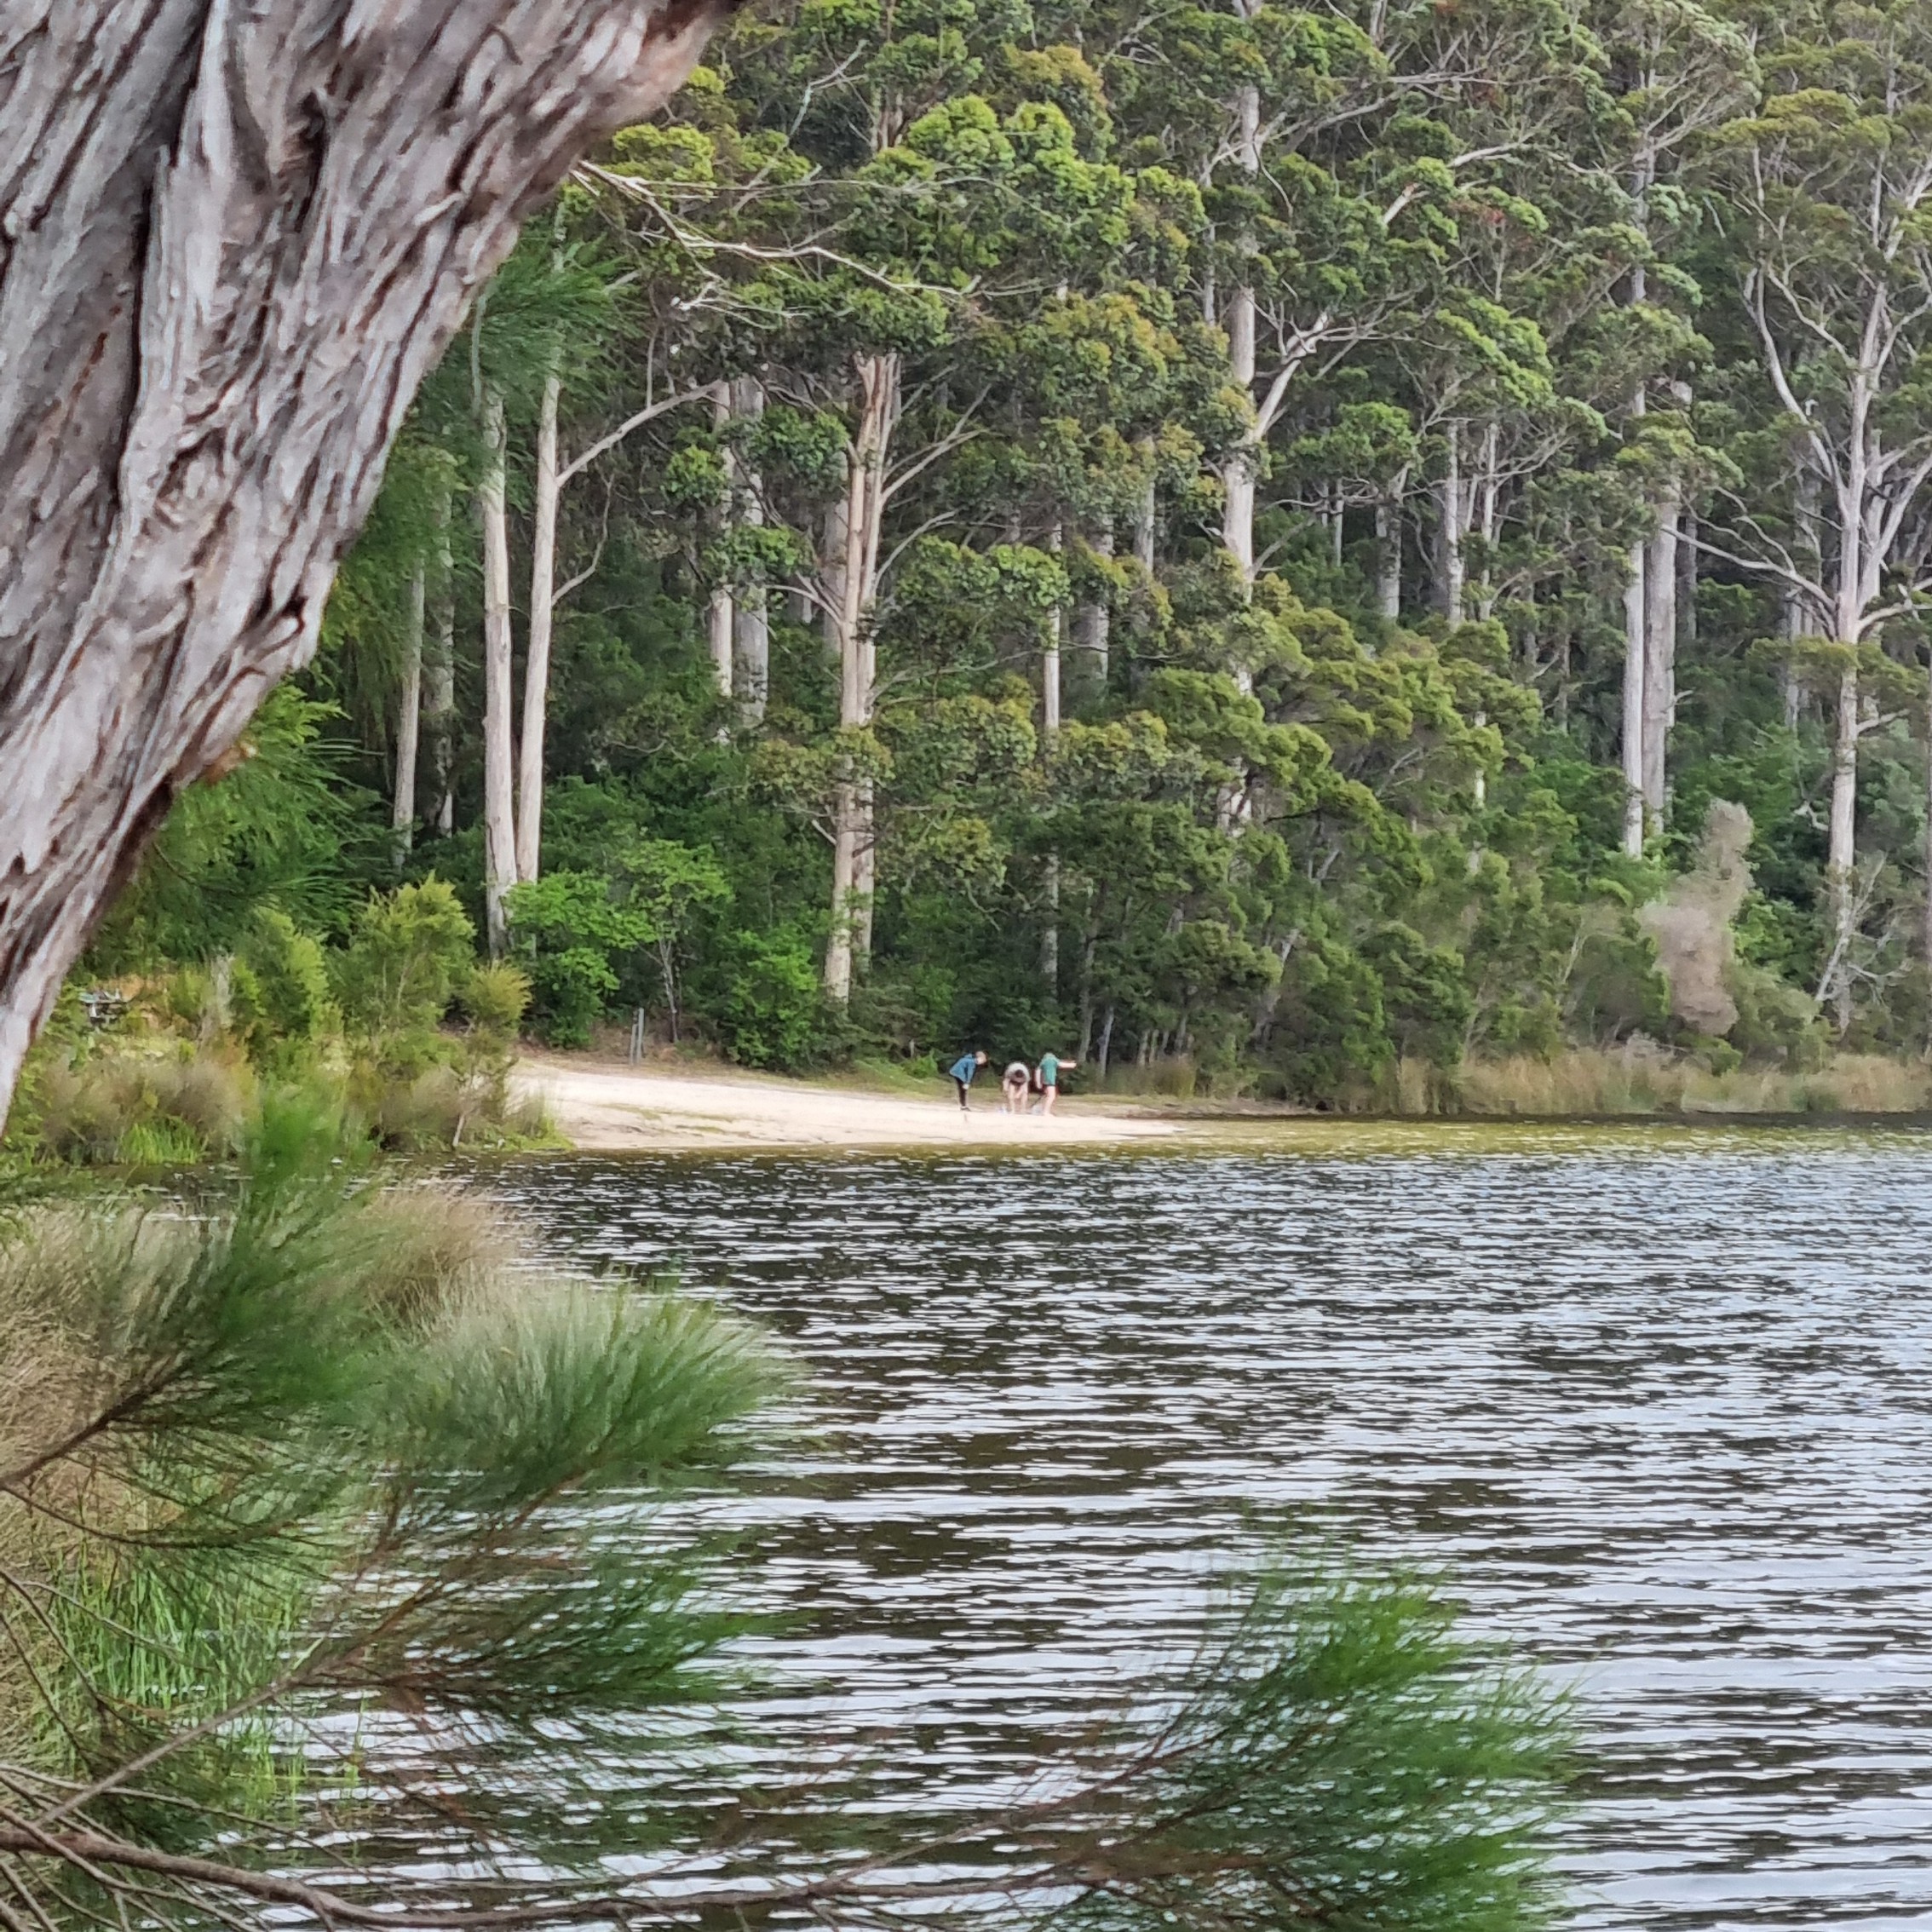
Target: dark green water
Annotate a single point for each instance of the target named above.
(1661, 1404)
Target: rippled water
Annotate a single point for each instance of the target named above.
(1659, 1404)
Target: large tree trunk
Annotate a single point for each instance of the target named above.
(1841, 855)
(542, 620)
(408, 720)
(499, 751)
(854, 859)
(231, 241)
(752, 624)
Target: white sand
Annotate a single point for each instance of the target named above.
(606, 1107)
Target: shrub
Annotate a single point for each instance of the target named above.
(495, 997)
(278, 991)
(772, 1009)
(571, 932)
(411, 949)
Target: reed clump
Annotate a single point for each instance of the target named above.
(1641, 1078)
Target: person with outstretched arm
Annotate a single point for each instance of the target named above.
(1051, 1067)
(962, 1070)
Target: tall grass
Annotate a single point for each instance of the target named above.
(1644, 1080)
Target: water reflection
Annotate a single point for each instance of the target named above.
(1660, 1406)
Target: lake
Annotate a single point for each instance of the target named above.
(1656, 1401)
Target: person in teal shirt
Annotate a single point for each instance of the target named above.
(962, 1070)
(1049, 1071)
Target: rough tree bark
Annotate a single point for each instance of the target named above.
(233, 239)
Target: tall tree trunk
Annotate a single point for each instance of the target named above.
(1660, 655)
(1092, 630)
(409, 717)
(1049, 734)
(855, 863)
(1241, 471)
(721, 625)
(1486, 490)
(438, 696)
(1925, 925)
(1840, 856)
(1388, 555)
(752, 634)
(537, 651)
(1633, 681)
(499, 797)
(234, 237)
(832, 575)
(1449, 567)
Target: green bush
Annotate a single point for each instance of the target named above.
(278, 991)
(571, 933)
(494, 998)
(772, 1009)
(409, 953)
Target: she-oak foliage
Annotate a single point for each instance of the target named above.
(331, 1535)
(1126, 531)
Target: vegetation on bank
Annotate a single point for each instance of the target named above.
(401, 1030)
(331, 1528)
(1245, 541)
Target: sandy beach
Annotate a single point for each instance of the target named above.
(609, 1106)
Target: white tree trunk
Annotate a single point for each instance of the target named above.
(720, 624)
(499, 754)
(1659, 656)
(752, 634)
(1388, 556)
(1632, 748)
(233, 239)
(409, 719)
(1049, 734)
(537, 653)
(439, 694)
(1093, 631)
(1840, 856)
(853, 855)
(1449, 528)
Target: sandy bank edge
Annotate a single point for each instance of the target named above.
(608, 1108)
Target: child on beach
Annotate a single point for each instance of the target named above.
(1013, 1085)
(962, 1070)
(1048, 1074)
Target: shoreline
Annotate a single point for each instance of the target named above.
(601, 1105)
(611, 1106)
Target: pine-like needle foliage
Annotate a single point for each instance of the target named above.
(330, 1530)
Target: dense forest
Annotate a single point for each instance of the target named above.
(1288, 545)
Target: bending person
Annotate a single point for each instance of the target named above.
(962, 1070)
